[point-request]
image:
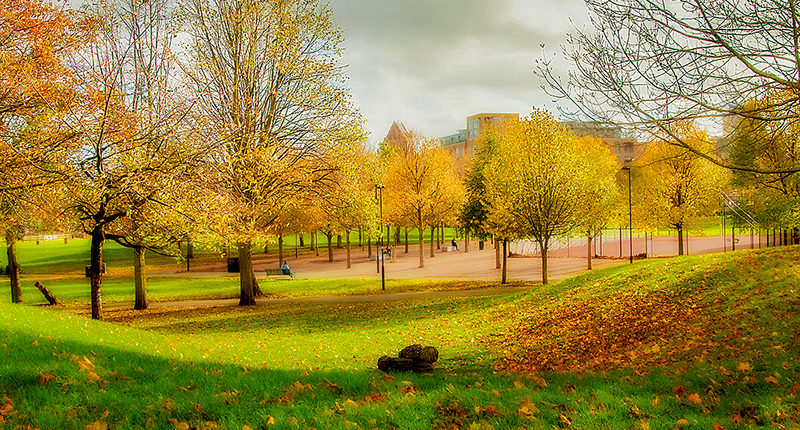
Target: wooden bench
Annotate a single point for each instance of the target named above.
(279, 272)
(449, 248)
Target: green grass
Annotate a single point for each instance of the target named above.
(120, 289)
(738, 330)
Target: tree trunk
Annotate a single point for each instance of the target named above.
(330, 246)
(589, 250)
(280, 249)
(466, 241)
(496, 253)
(338, 241)
(13, 266)
(360, 243)
(421, 247)
(406, 231)
(433, 241)
(140, 302)
(680, 240)
(302, 240)
(347, 241)
(246, 293)
(504, 278)
(438, 238)
(396, 236)
(96, 271)
(733, 238)
(369, 246)
(480, 245)
(544, 263)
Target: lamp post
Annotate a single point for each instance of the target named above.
(630, 215)
(380, 239)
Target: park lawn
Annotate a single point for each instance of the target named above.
(690, 342)
(119, 290)
(56, 257)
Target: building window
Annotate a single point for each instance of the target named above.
(474, 128)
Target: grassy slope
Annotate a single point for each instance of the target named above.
(735, 312)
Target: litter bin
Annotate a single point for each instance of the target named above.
(233, 265)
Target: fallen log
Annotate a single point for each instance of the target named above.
(47, 294)
(412, 358)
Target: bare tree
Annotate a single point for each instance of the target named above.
(650, 63)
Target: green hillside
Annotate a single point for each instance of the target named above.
(690, 342)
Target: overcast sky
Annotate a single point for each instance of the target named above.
(431, 63)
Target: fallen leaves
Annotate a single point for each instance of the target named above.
(694, 398)
(621, 329)
(44, 378)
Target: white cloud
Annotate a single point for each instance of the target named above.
(432, 63)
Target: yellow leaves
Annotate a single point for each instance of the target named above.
(349, 404)
(527, 409)
(694, 398)
(99, 424)
(45, 378)
(772, 380)
(168, 405)
(86, 364)
(179, 425)
(270, 420)
(683, 422)
(744, 367)
(6, 407)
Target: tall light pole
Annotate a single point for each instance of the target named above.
(630, 215)
(380, 240)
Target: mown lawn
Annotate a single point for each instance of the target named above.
(119, 290)
(692, 342)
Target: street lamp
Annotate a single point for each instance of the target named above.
(381, 267)
(630, 215)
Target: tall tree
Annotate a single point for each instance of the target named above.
(675, 186)
(534, 181)
(649, 63)
(122, 156)
(35, 37)
(272, 91)
(421, 182)
(601, 196)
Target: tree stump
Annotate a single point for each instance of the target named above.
(47, 294)
(412, 358)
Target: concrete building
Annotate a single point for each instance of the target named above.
(625, 149)
(461, 145)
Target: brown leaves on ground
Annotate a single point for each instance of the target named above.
(622, 329)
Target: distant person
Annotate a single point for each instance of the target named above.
(285, 268)
(454, 244)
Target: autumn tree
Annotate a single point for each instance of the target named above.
(272, 94)
(649, 64)
(601, 196)
(535, 180)
(348, 198)
(122, 156)
(770, 199)
(35, 37)
(421, 182)
(676, 187)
